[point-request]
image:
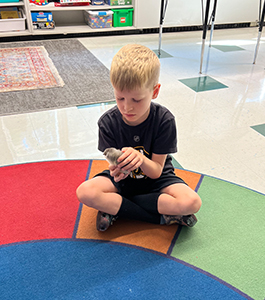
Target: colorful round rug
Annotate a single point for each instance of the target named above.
(50, 248)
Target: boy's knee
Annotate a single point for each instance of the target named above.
(80, 192)
(192, 203)
(196, 203)
(85, 194)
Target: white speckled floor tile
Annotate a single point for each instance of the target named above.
(214, 127)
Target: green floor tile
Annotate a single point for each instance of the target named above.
(203, 83)
(163, 54)
(259, 128)
(226, 48)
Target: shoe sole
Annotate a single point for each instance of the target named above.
(103, 223)
(191, 221)
(188, 222)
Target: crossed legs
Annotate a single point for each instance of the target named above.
(101, 194)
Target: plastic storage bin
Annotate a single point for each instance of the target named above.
(122, 17)
(12, 24)
(118, 2)
(98, 19)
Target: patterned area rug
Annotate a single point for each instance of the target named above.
(86, 79)
(27, 68)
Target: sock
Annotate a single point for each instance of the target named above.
(162, 220)
(147, 201)
(130, 210)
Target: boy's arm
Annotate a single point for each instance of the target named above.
(153, 168)
(133, 159)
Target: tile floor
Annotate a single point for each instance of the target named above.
(221, 132)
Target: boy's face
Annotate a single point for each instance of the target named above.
(134, 105)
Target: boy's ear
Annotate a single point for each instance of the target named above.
(156, 90)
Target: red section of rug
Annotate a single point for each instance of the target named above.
(38, 201)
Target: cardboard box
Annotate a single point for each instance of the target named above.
(97, 2)
(74, 2)
(118, 2)
(43, 25)
(98, 19)
(39, 16)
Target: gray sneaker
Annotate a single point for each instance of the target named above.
(104, 221)
(189, 220)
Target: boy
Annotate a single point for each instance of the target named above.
(143, 186)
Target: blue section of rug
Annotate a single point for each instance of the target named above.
(72, 269)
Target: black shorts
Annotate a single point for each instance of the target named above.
(131, 187)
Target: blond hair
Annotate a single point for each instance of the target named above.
(134, 66)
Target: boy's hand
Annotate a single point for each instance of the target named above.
(117, 173)
(130, 160)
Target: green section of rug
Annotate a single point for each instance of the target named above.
(86, 80)
(228, 240)
(176, 164)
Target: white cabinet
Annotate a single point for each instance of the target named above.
(148, 13)
(189, 13)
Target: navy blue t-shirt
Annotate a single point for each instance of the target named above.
(157, 134)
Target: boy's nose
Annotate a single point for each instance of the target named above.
(127, 106)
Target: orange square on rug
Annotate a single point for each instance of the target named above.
(154, 237)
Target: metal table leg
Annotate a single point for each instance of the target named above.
(261, 22)
(162, 16)
(213, 19)
(205, 25)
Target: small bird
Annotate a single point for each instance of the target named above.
(112, 154)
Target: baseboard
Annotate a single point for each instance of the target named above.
(124, 32)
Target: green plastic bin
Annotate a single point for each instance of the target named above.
(122, 17)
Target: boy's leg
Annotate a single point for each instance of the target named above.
(131, 210)
(149, 202)
(101, 194)
(178, 199)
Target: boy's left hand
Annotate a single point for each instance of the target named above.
(117, 174)
(130, 160)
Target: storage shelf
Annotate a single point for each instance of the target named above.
(77, 29)
(12, 33)
(52, 7)
(62, 27)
